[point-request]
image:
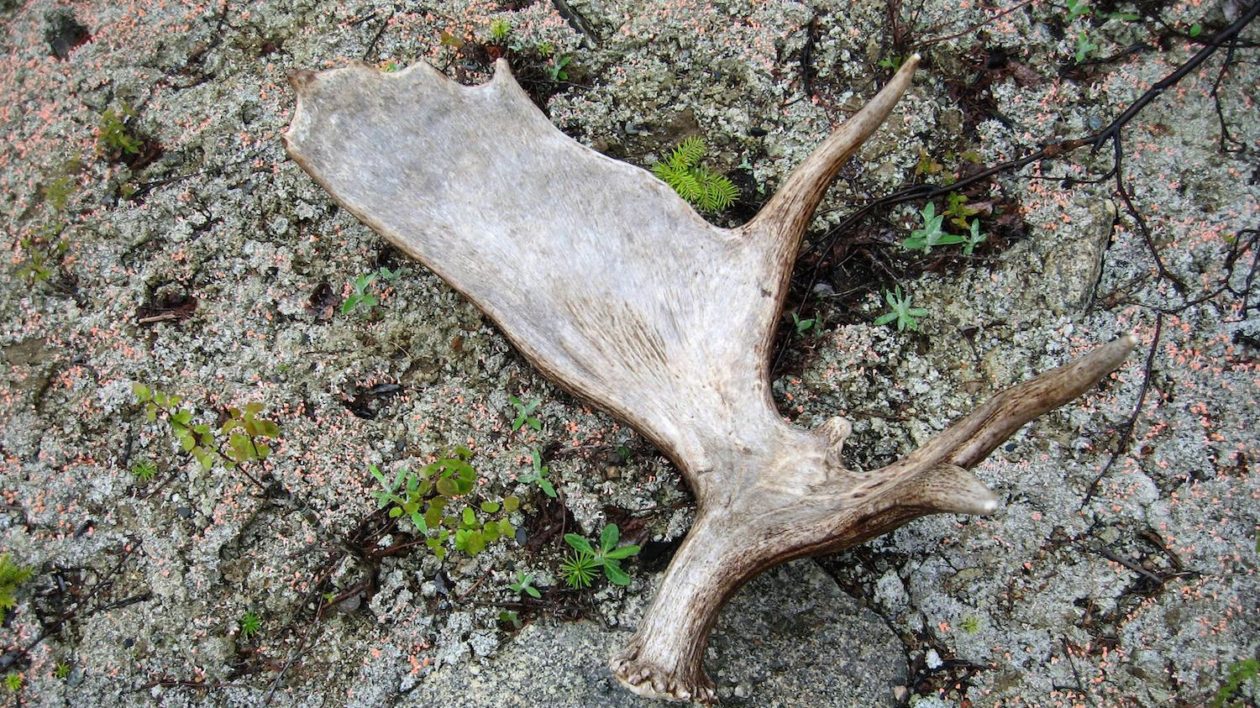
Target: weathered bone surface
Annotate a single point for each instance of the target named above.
(615, 288)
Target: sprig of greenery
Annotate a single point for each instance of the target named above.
(430, 499)
(363, 297)
(525, 584)
(144, 470)
(244, 430)
(804, 326)
(538, 475)
(523, 413)
(114, 139)
(556, 67)
(579, 569)
(11, 576)
(931, 232)
(902, 313)
(1240, 672)
(705, 189)
(249, 625)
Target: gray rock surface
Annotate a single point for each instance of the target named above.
(790, 637)
(215, 269)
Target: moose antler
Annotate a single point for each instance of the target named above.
(618, 291)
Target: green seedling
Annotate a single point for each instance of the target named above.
(579, 569)
(1240, 673)
(243, 431)
(556, 67)
(432, 497)
(114, 139)
(12, 575)
(144, 471)
(499, 30)
(957, 210)
(803, 326)
(249, 625)
(1085, 47)
(509, 619)
(524, 413)
(929, 234)
(525, 584)
(42, 252)
(363, 295)
(705, 189)
(902, 313)
(973, 238)
(62, 672)
(538, 475)
(13, 681)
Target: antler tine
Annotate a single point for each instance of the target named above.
(791, 209)
(967, 442)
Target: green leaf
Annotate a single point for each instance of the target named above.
(614, 573)
(511, 504)
(608, 537)
(532, 592)
(490, 507)
(469, 517)
(447, 488)
(579, 544)
(623, 552)
(418, 521)
(143, 393)
(547, 488)
(1196, 29)
(506, 529)
(204, 457)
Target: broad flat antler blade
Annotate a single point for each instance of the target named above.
(598, 272)
(616, 289)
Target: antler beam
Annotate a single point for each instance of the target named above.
(616, 289)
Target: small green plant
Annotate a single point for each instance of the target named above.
(114, 139)
(363, 295)
(1240, 672)
(13, 681)
(1085, 47)
(431, 499)
(249, 625)
(957, 210)
(62, 672)
(11, 576)
(579, 569)
(244, 430)
(510, 620)
(903, 314)
(525, 584)
(973, 238)
(804, 326)
(892, 63)
(1077, 8)
(499, 30)
(970, 624)
(1196, 29)
(524, 413)
(43, 251)
(144, 471)
(538, 475)
(706, 190)
(929, 234)
(556, 67)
